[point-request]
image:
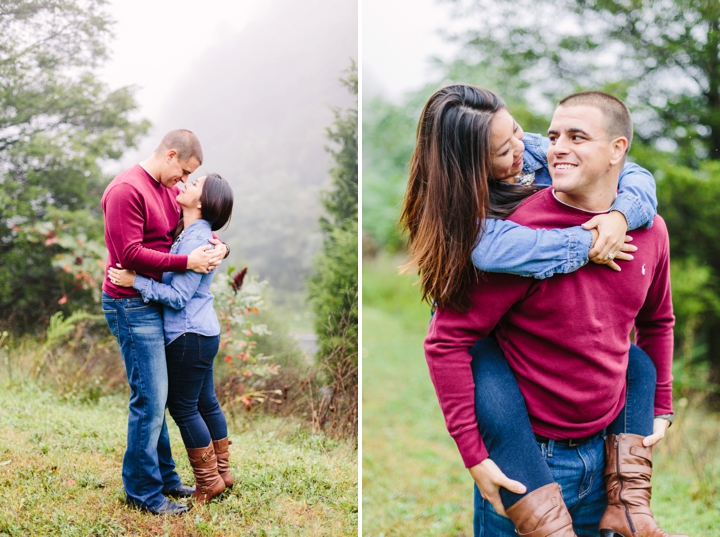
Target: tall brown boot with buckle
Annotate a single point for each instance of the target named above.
(628, 469)
(222, 452)
(542, 513)
(208, 482)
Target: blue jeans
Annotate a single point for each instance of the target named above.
(191, 398)
(506, 431)
(579, 471)
(148, 466)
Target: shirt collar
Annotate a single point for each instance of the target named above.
(147, 172)
(578, 208)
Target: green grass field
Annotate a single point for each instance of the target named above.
(414, 482)
(60, 465)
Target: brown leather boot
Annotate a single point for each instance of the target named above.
(222, 452)
(628, 468)
(208, 482)
(542, 513)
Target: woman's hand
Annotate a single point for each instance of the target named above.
(489, 479)
(611, 242)
(660, 425)
(121, 277)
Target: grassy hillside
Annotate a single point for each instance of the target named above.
(60, 467)
(414, 482)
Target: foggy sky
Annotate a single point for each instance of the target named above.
(399, 38)
(260, 101)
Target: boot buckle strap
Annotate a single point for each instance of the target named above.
(641, 452)
(205, 456)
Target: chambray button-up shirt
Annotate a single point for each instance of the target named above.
(186, 297)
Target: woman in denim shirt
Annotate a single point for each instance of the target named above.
(192, 336)
(504, 246)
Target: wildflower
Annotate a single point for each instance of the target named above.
(237, 280)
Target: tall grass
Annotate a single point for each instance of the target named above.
(63, 423)
(414, 482)
(60, 475)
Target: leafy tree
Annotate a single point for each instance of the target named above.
(58, 124)
(661, 56)
(334, 286)
(388, 143)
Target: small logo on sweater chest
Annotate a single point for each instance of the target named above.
(643, 270)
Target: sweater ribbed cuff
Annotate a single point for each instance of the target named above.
(471, 447)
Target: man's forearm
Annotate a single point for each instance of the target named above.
(144, 260)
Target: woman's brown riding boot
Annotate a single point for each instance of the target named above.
(542, 513)
(222, 452)
(628, 468)
(208, 482)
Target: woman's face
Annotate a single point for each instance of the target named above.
(506, 147)
(191, 194)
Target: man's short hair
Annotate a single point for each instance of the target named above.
(617, 116)
(184, 142)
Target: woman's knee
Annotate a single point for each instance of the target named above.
(181, 411)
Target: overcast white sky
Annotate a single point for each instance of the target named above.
(398, 38)
(157, 41)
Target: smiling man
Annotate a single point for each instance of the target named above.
(140, 216)
(566, 339)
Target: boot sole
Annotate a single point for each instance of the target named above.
(610, 533)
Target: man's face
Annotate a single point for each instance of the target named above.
(176, 170)
(580, 152)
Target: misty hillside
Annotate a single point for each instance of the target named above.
(260, 103)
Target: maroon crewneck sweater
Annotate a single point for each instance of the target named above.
(140, 216)
(566, 338)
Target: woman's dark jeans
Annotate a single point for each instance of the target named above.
(191, 392)
(505, 426)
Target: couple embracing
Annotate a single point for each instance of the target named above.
(162, 252)
(553, 409)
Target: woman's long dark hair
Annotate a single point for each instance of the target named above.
(449, 193)
(216, 201)
(505, 198)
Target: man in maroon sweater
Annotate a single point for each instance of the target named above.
(566, 338)
(140, 216)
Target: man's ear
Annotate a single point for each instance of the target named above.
(170, 154)
(619, 149)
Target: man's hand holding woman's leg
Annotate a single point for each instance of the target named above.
(489, 478)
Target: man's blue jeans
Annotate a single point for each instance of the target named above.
(148, 466)
(507, 434)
